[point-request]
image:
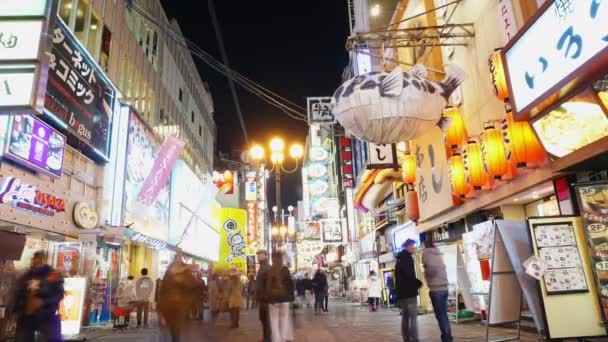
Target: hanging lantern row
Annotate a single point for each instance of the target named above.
(456, 134)
(497, 72)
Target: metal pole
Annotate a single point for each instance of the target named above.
(278, 193)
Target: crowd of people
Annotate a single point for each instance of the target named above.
(183, 297)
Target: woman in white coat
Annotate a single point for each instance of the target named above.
(374, 291)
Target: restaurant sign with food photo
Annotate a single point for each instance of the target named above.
(35, 145)
(593, 201)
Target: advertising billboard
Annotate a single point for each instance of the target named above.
(232, 225)
(79, 96)
(36, 145)
(149, 218)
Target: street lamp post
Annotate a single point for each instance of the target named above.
(277, 157)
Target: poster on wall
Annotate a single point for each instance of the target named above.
(593, 202)
(36, 145)
(232, 225)
(79, 96)
(332, 231)
(151, 219)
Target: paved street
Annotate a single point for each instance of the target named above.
(345, 323)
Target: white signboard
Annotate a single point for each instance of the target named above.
(508, 27)
(382, 156)
(20, 39)
(319, 110)
(16, 88)
(251, 191)
(70, 308)
(22, 8)
(331, 231)
(561, 40)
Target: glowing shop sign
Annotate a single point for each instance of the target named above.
(26, 197)
(154, 243)
(555, 46)
(20, 39)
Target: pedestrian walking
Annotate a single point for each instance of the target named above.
(39, 292)
(198, 310)
(436, 278)
(280, 289)
(143, 290)
(235, 296)
(215, 297)
(407, 286)
(251, 291)
(374, 291)
(319, 283)
(308, 291)
(261, 295)
(300, 291)
(178, 292)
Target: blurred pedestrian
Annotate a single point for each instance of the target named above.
(261, 294)
(308, 291)
(234, 296)
(251, 291)
(143, 290)
(319, 283)
(407, 291)
(280, 289)
(178, 292)
(127, 299)
(300, 291)
(436, 278)
(374, 291)
(215, 296)
(39, 292)
(198, 310)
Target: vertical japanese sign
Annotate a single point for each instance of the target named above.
(565, 37)
(382, 156)
(78, 92)
(232, 239)
(346, 156)
(508, 27)
(161, 171)
(24, 27)
(252, 222)
(251, 188)
(320, 110)
(593, 201)
(433, 188)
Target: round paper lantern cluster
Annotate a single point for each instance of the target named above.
(525, 149)
(408, 169)
(458, 177)
(497, 72)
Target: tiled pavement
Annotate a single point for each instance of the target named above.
(345, 323)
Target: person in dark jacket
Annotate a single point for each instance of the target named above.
(261, 294)
(319, 284)
(407, 286)
(280, 294)
(39, 293)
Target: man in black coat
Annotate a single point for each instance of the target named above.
(262, 295)
(407, 286)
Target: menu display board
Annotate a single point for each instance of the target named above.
(593, 202)
(70, 308)
(78, 94)
(557, 246)
(36, 145)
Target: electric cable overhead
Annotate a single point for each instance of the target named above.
(288, 107)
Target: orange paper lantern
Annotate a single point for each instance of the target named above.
(457, 176)
(411, 201)
(476, 174)
(523, 144)
(409, 169)
(494, 156)
(497, 72)
(456, 133)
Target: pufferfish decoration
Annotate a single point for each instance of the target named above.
(386, 108)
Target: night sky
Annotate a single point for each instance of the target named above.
(294, 48)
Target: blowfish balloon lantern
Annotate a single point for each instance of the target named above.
(386, 108)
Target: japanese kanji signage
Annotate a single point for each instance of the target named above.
(346, 157)
(319, 110)
(78, 92)
(508, 27)
(27, 197)
(567, 36)
(24, 27)
(252, 222)
(433, 187)
(382, 156)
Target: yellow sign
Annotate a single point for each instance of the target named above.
(232, 227)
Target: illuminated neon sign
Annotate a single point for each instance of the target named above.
(26, 197)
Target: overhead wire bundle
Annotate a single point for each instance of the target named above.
(288, 107)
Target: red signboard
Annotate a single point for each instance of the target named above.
(346, 157)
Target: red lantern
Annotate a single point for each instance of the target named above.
(456, 133)
(409, 169)
(411, 201)
(476, 174)
(497, 71)
(524, 146)
(494, 156)
(457, 176)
